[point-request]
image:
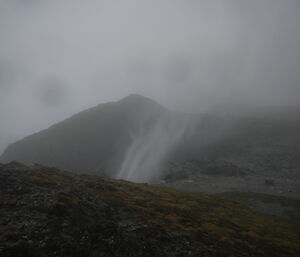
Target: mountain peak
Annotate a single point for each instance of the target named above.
(135, 96)
(137, 99)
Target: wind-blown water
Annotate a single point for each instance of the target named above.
(150, 146)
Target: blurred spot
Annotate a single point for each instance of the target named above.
(51, 91)
(179, 70)
(141, 72)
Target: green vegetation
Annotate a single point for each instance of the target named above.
(281, 207)
(54, 213)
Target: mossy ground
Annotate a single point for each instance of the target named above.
(55, 213)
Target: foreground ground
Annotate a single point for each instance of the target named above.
(48, 212)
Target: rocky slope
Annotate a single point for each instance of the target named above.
(93, 140)
(137, 139)
(48, 212)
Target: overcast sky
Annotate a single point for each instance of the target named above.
(60, 57)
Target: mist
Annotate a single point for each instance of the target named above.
(60, 57)
(144, 160)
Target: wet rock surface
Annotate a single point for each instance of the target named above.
(219, 176)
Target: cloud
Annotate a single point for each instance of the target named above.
(187, 54)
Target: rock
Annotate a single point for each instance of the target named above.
(269, 182)
(13, 166)
(67, 215)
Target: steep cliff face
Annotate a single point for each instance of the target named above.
(47, 212)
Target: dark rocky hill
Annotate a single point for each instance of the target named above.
(48, 212)
(137, 139)
(92, 140)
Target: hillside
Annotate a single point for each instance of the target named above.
(139, 140)
(48, 212)
(93, 140)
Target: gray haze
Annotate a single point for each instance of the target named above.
(149, 146)
(60, 57)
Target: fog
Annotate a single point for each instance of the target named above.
(60, 57)
(149, 147)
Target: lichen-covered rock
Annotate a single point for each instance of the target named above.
(48, 212)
